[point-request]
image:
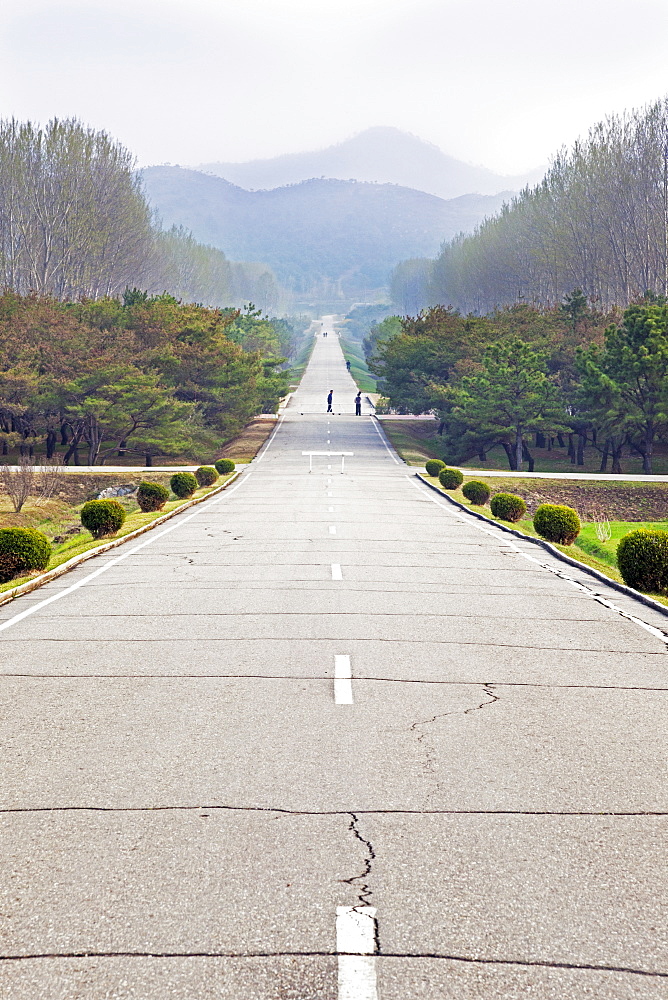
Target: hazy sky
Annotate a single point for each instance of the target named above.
(498, 82)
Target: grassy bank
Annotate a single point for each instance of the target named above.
(61, 523)
(352, 351)
(298, 366)
(587, 549)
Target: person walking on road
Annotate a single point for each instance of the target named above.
(358, 404)
(329, 400)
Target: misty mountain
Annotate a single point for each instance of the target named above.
(341, 235)
(381, 155)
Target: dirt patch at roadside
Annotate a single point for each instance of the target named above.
(248, 442)
(616, 501)
(76, 489)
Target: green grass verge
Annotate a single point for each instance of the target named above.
(84, 542)
(352, 351)
(413, 448)
(298, 367)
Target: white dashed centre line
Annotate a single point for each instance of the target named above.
(356, 945)
(332, 529)
(336, 571)
(343, 681)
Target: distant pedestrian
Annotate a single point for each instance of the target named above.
(330, 397)
(348, 365)
(358, 404)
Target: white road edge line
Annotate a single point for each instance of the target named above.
(336, 571)
(374, 424)
(356, 945)
(551, 569)
(177, 522)
(343, 681)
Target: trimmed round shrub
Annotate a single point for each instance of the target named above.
(642, 557)
(433, 466)
(477, 492)
(183, 484)
(22, 549)
(224, 466)
(450, 479)
(206, 475)
(508, 507)
(152, 496)
(102, 517)
(557, 523)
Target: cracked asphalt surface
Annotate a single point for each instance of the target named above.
(183, 806)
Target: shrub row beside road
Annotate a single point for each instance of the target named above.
(24, 551)
(641, 556)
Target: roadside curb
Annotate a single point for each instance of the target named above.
(53, 574)
(601, 577)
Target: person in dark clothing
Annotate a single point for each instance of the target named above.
(329, 400)
(358, 404)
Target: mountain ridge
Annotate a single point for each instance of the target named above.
(380, 154)
(340, 235)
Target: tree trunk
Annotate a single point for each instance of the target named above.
(441, 427)
(527, 456)
(617, 457)
(582, 440)
(518, 449)
(5, 449)
(510, 454)
(50, 443)
(64, 438)
(540, 439)
(604, 456)
(560, 440)
(121, 448)
(482, 456)
(148, 461)
(550, 443)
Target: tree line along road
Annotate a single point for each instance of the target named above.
(328, 738)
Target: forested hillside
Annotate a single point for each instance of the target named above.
(320, 237)
(74, 223)
(598, 222)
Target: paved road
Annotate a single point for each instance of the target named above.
(194, 806)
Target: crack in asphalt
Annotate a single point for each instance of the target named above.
(595, 813)
(426, 744)
(305, 614)
(100, 640)
(319, 678)
(365, 891)
(360, 882)
(438, 956)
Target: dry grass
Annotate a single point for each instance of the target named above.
(248, 442)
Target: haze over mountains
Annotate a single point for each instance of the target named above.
(329, 237)
(383, 155)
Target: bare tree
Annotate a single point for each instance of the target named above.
(18, 483)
